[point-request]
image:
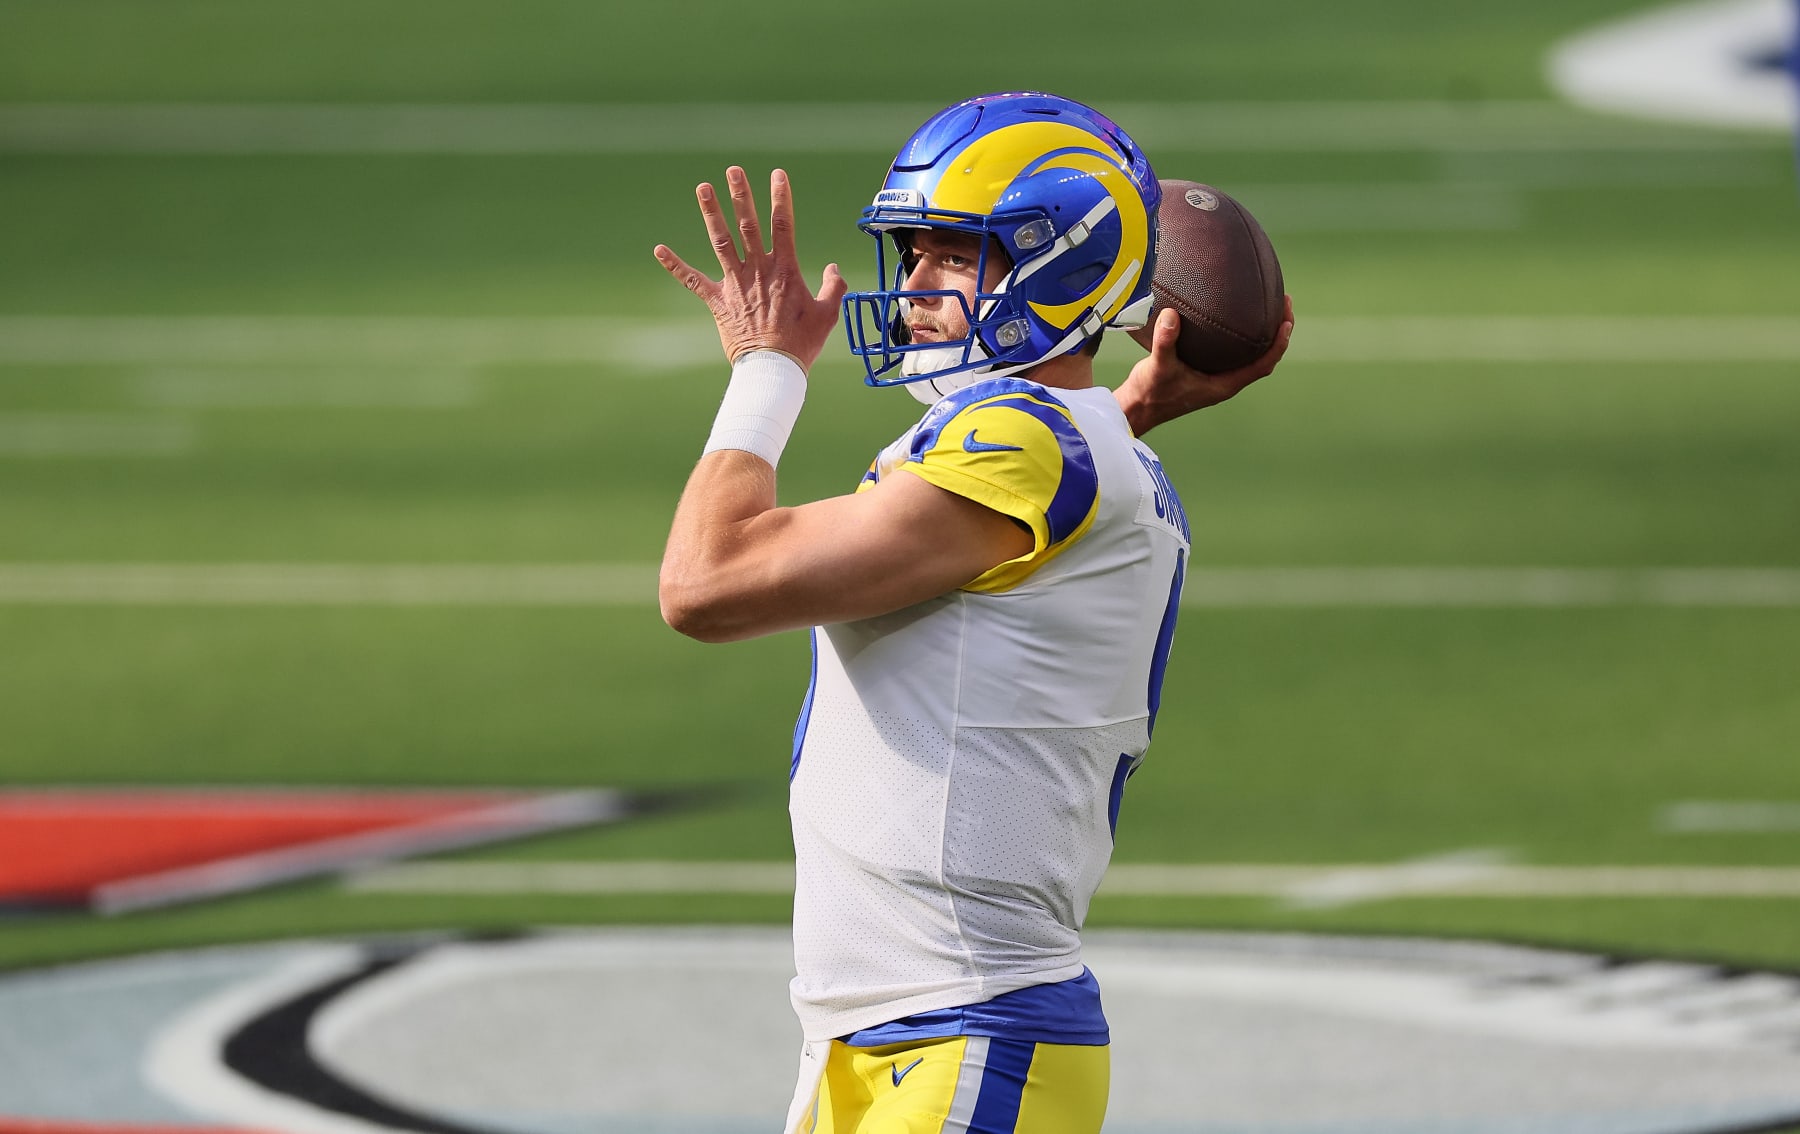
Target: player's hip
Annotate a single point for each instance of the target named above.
(955, 1085)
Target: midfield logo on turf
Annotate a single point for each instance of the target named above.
(1445, 1035)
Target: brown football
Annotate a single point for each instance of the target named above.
(1216, 268)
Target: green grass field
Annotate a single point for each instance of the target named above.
(1289, 735)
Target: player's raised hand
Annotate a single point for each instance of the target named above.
(761, 301)
(1162, 387)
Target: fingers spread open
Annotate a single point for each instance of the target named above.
(832, 288)
(718, 232)
(761, 301)
(743, 203)
(781, 216)
(689, 278)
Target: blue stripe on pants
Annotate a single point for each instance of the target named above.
(1002, 1086)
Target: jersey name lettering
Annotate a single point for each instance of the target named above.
(1162, 496)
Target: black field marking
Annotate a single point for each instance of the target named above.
(390, 1089)
(1705, 992)
(1776, 58)
(1779, 1126)
(271, 1051)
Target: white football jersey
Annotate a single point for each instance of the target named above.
(958, 764)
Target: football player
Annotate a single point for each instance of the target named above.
(991, 611)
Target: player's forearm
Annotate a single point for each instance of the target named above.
(1137, 412)
(739, 567)
(706, 577)
(1144, 412)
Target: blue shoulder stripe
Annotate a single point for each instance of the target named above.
(1075, 492)
(951, 404)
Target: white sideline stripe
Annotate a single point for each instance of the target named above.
(1602, 170)
(1433, 874)
(327, 584)
(1471, 874)
(1390, 207)
(289, 388)
(1691, 817)
(1490, 587)
(799, 128)
(462, 342)
(578, 878)
(453, 341)
(432, 836)
(634, 584)
(1550, 338)
(93, 435)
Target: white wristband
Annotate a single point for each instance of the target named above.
(761, 404)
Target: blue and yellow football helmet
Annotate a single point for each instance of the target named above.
(1067, 194)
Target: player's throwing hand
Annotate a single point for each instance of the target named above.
(1162, 387)
(762, 301)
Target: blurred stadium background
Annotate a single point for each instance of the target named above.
(342, 408)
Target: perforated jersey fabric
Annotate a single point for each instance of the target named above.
(958, 765)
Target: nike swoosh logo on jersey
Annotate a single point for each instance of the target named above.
(899, 1074)
(970, 445)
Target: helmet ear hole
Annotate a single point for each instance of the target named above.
(1081, 279)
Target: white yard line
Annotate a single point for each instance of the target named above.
(464, 341)
(1550, 338)
(1593, 170)
(617, 342)
(1385, 207)
(1706, 817)
(277, 387)
(800, 128)
(1431, 875)
(328, 584)
(1490, 587)
(535, 815)
(1464, 876)
(634, 584)
(48, 435)
(577, 878)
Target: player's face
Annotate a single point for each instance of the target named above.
(942, 260)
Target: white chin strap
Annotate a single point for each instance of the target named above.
(929, 390)
(917, 363)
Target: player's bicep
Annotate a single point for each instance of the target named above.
(898, 543)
